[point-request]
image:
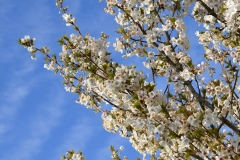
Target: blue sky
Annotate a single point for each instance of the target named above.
(38, 119)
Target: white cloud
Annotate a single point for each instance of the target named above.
(114, 140)
(74, 6)
(39, 129)
(5, 8)
(103, 153)
(13, 97)
(77, 137)
(25, 68)
(12, 94)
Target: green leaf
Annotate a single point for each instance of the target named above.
(137, 105)
(198, 132)
(222, 9)
(204, 92)
(172, 20)
(178, 5)
(195, 13)
(169, 95)
(141, 11)
(56, 70)
(190, 64)
(150, 88)
(112, 148)
(121, 30)
(134, 96)
(189, 153)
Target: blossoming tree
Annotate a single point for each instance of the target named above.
(193, 117)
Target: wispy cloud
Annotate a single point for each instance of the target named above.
(39, 129)
(75, 6)
(114, 140)
(77, 138)
(13, 93)
(5, 8)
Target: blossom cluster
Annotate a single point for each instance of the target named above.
(196, 115)
(72, 155)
